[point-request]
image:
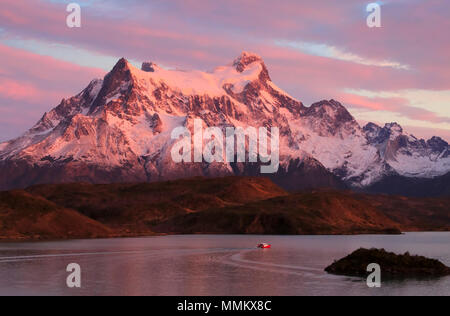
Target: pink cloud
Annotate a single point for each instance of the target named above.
(23, 65)
(26, 91)
(395, 105)
(20, 91)
(374, 104)
(200, 33)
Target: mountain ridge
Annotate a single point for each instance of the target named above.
(118, 130)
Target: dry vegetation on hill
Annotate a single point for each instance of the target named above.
(231, 205)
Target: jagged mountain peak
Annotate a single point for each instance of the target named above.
(394, 132)
(436, 141)
(121, 69)
(119, 129)
(378, 135)
(439, 146)
(245, 59)
(121, 63)
(394, 127)
(149, 66)
(330, 117)
(331, 108)
(372, 130)
(406, 154)
(370, 127)
(331, 103)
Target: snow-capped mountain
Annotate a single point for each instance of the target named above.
(407, 155)
(119, 129)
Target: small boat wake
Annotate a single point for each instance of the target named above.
(238, 260)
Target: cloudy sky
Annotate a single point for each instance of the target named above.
(314, 50)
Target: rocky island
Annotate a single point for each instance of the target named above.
(393, 266)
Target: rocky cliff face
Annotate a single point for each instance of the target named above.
(119, 130)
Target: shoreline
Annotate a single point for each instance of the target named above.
(137, 236)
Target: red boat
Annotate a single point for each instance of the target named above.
(264, 246)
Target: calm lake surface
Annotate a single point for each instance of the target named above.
(210, 265)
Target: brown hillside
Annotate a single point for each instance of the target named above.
(136, 206)
(324, 212)
(232, 205)
(319, 212)
(24, 216)
(413, 214)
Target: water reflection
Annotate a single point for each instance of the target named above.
(209, 265)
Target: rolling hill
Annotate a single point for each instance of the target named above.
(230, 205)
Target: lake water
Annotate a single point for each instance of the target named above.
(210, 265)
